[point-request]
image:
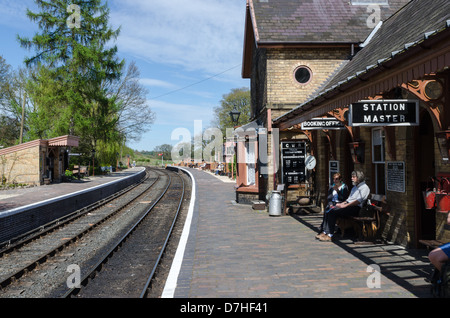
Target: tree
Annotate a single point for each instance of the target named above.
(134, 116)
(5, 71)
(12, 94)
(73, 64)
(238, 98)
(165, 149)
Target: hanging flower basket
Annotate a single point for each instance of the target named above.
(442, 202)
(429, 197)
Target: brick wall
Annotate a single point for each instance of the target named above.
(399, 226)
(442, 229)
(283, 91)
(273, 83)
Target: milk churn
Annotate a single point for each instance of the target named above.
(275, 204)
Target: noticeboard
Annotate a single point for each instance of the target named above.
(395, 176)
(293, 154)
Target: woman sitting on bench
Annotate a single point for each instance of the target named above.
(338, 192)
(439, 256)
(359, 194)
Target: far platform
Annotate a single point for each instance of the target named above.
(20, 197)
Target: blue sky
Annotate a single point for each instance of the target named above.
(189, 53)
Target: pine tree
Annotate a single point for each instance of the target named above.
(73, 62)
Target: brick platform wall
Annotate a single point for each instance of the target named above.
(22, 220)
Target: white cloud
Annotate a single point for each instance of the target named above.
(151, 82)
(205, 35)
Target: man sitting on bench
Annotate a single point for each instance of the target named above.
(359, 194)
(439, 256)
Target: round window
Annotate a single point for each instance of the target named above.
(302, 74)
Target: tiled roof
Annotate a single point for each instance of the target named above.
(408, 28)
(397, 33)
(312, 21)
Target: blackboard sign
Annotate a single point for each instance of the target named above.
(293, 154)
(384, 113)
(395, 176)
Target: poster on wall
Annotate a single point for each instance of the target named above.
(395, 176)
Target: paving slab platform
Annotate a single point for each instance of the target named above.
(229, 250)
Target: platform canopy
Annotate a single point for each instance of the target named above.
(64, 141)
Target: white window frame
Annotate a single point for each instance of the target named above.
(250, 154)
(381, 142)
(379, 164)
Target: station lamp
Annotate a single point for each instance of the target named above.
(234, 114)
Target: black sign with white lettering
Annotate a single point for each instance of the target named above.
(395, 175)
(384, 113)
(293, 154)
(322, 123)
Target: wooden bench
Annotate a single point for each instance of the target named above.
(431, 244)
(80, 171)
(368, 221)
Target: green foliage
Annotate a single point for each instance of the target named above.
(68, 174)
(165, 149)
(238, 98)
(73, 65)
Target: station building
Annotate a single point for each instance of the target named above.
(37, 162)
(364, 86)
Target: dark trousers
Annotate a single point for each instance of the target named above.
(329, 218)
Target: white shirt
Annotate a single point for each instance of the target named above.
(359, 192)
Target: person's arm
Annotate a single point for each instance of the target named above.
(347, 204)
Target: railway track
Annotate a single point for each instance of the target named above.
(39, 267)
(127, 269)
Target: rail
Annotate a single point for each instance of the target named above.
(103, 260)
(29, 263)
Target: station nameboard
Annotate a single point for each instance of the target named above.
(322, 123)
(384, 112)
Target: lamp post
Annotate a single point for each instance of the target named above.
(234, 114)
(93, 162)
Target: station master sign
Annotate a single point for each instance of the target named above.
(384, 112)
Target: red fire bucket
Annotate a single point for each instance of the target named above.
(442, 202)
(430, 199)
